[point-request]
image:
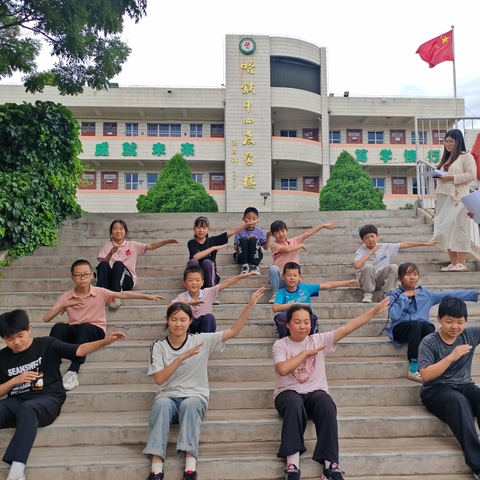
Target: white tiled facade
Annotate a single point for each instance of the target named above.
(272, 129)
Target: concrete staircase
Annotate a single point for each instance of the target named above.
(384, 430)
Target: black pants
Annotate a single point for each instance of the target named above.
(26, 416)
(412, 333)
(81, 333)
(457, 408)
(116, 278)
(296, 409)
(249, 251)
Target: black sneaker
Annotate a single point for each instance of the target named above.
(334, 472)
(190, 475)
(155, 476)
(292, 472)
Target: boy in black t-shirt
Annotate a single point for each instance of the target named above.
(30, 377)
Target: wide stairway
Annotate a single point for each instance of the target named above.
(385, 432)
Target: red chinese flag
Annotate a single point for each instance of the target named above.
(437, 50)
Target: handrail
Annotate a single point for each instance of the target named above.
(425, 187)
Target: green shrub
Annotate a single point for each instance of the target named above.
(39, 175)
(175, 191)
(350, 188)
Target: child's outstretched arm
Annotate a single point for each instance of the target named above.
(232, 280)
(436, 369)
(338, 284)
(162, 243)
(356, 323)
(417, 244)
(203, 253)
(238, 228)
(316, 229)
(90, 347)
(136, 296)
(235, 329)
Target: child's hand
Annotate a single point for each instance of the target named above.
(252, 223)
(302, 245)
(329, 225)
(431, 244)
(156, 297)
(192, 351)
(113, 337)
(470, 214)
(375, 248)
(219, 247)
(352, 283)
(269, 234)
(382, 306)
(72, 303)
(459, 352)
(256, 296)
(113, 250)
(195, 303)
(314, 351)
(173, 240)
(26, 377)
(410, 293)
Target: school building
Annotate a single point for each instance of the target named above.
(268, 137)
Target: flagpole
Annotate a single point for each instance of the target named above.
(454, 80)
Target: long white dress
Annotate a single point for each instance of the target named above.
(452, 227)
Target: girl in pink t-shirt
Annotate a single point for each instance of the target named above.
(301, 389)
(118, 258)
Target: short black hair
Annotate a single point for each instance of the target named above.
(192, 269)
(78, 263)
(295, 308)
(453, 307)
(13, 322)
(292, 266)
(177, 307)
(278, 225)
(250, 210)
(366, 229)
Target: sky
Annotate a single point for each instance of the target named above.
(370, 45)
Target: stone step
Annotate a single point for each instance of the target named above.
(361, 459)
(225, 426)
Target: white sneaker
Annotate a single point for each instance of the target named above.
(415, 377)
(272, 300)
(16, 478)
(245, 269)
(255, 270)
(216, 301)
(70, 380)
(117, 303)
(448, 268)
(367, 298)
(459, 267)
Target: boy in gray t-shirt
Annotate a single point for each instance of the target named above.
(445, 363)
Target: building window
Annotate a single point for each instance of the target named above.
(88, 129)
(288, 184)
(151, 180)
(379, 183)
(131, 129)
(422, 138)
(375, 138)
(196, 130)
(288, 133)
(415, 188)
(164, 130)
(197, 177)
(334, 136)
(131, 181)
(217, 130)
(110, 129)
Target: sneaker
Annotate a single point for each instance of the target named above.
(117, 303)
(414, 376)
(255, 270)
(70, 380)
(448, 268)
(216, 301)
(334, 472)
(23, 478)
(155, 476)
(244, 269)
(272, 300)
(292, 472)
(367, 298)
(459, 267)
(190, 475)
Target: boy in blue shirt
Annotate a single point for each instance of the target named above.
(296, 292)
(445, 364)
(248, 243)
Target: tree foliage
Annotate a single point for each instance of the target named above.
(39, 174)
(350, 188)
(83, 37)
(175, 191)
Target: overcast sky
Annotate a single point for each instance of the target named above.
(370, 45)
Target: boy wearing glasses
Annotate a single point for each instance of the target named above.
(87, 320)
